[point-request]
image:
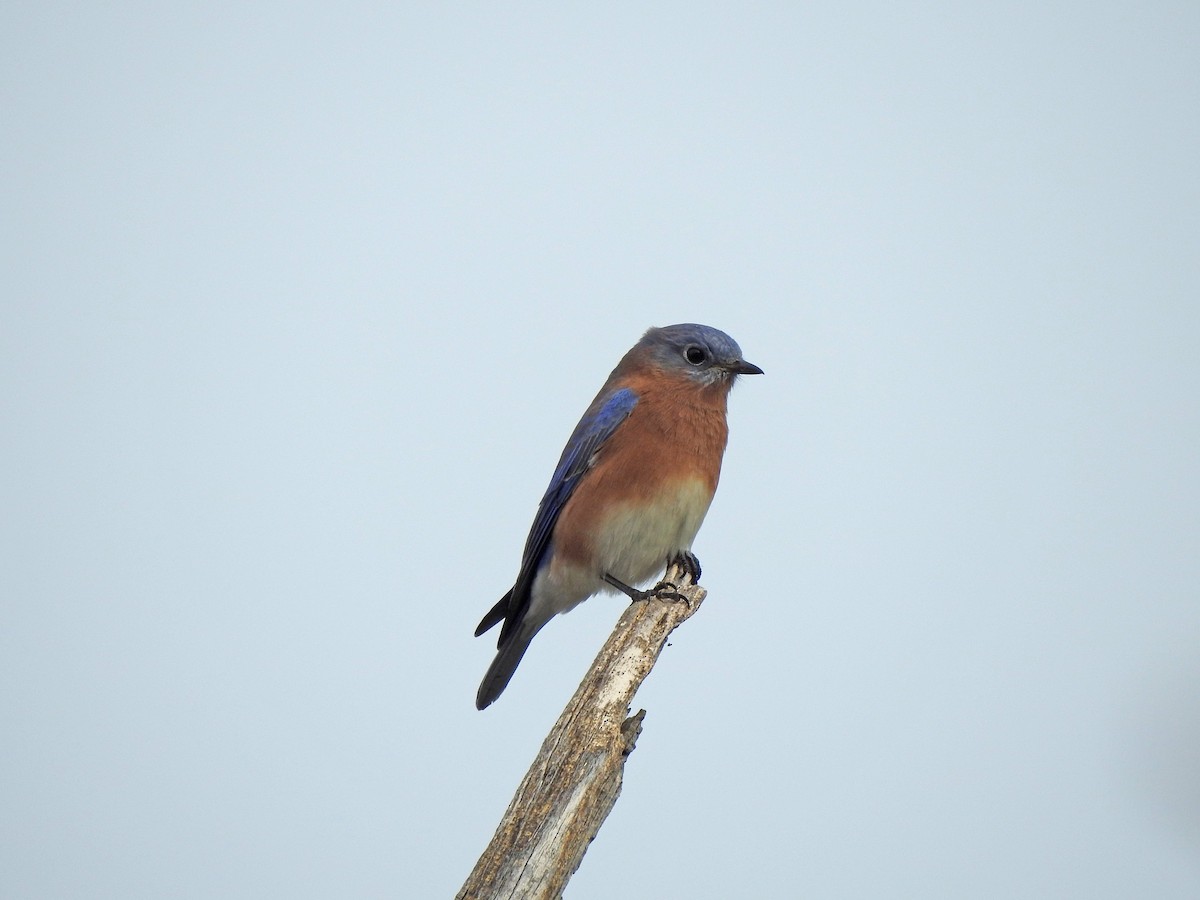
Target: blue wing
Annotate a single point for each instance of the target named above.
(597, 425)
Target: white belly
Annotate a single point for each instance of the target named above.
(634, 542)
(632, 545)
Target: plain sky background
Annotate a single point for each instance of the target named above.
(300, 303)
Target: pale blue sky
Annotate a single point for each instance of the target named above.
(301, 302)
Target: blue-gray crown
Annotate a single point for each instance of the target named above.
(708, 353)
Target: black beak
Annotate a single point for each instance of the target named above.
(741, 367)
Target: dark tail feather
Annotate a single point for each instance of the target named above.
(496, 614)
(500, 672)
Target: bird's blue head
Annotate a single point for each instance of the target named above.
(703, 353)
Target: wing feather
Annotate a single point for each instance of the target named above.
(603, 417)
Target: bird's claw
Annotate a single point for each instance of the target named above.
(688, 563)
(664, 590)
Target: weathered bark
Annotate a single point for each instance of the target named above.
(576, 778)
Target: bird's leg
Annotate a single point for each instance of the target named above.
(664, 590)
(687, 561)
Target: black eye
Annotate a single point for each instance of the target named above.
(695, 355)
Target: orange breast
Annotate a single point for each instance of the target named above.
(666, 454)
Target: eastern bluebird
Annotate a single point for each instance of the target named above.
(631, 488)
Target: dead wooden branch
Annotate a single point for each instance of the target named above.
(576, 778)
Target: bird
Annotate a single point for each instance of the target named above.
(630, 490)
